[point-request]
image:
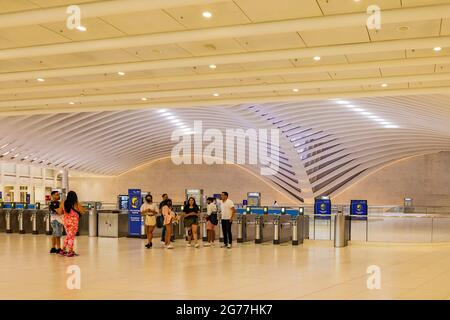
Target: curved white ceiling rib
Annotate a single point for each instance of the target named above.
(338, 141)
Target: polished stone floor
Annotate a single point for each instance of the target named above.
(124, 269)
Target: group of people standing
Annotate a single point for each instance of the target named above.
(191, 213)
(64, 215)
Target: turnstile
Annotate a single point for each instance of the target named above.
(38, 221)
(264, 228)
(282, 229)
(245, 225)
(83, 225)
(2, 220)
(298, 229)
(12, 221)
(26, 224)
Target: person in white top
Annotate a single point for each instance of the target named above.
(211, 221)
(149, 210)
(227, 214)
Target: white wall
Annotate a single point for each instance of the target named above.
(426, 179)
(164, 177)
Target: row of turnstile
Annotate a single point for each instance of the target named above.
(257, 228)
(32, 221)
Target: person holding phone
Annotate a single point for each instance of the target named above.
(191, 213)
(149, 210)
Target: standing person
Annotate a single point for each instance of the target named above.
(163, 233)
(228, 212)
(191, 212)
(72, 211)
(211, 221)
(149, 210)
(169, 217)
(56, 221)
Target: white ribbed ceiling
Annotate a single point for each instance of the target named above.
(389, 86)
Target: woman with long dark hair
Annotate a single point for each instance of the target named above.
(191, 213)
(169, 218)
(72, 210)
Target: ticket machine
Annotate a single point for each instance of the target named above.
(254, 199)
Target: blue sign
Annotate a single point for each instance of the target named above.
(322, 206)
(134, 212)
(358, 208)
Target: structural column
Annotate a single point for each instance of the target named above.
(65, 181)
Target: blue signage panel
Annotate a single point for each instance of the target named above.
(322, 206)
(134, 214)
(358, 208)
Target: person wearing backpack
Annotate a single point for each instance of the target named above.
(211, 221)
(72, 211)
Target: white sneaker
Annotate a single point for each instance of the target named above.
(189, 245)
(229, 246)
(223, 246)
(169, 246)
(207, 244)
(197, 245)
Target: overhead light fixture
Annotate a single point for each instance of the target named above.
(81, 28)
(391, 126)
(350, 106)
(120, 73)
(144, 99)
(4, 146)
(359, 109)
(437, 49)
(161, 110)
(216, 94)
(384, 85)
(72, 102)
(342, 102)
(207, 14)
(6, 153)
(317, 58)
(295, 90)
(212, 66)
(40, 79)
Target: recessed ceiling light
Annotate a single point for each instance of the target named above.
(212, 66)
(216, 94)
(40, 79)
(295, 90)
(120, 73)
(207, 14)
(81, 28)
(384, 85)
(317, 58)
(437, 49)
(403, 28)
(144, 99)
(71, 102)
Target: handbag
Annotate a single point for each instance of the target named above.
(159, 221)
(213, 218)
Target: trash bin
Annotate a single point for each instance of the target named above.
(112, 224)
(341, 230)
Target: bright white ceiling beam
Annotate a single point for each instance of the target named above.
(227, 90)
(92, 10)
(220, 102)
(410, 62)
(409, 15)
(334, 50)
